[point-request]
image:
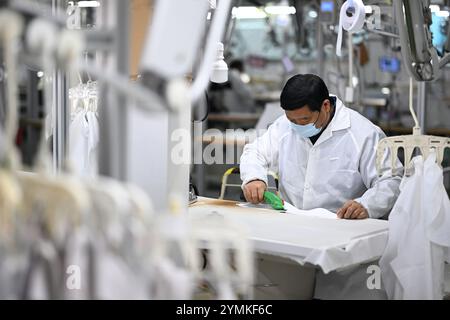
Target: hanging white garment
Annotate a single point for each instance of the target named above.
(412, 265)
(115, 279)
(84, 136)
(93, 139)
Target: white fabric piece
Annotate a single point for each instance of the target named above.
(290, 209)
(318, 213)
(419, 235)
(339, 167)
(358, 250)
(84, 137)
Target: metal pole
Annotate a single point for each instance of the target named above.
(32, 113)
(320, 51)
(122, 63)
(113, 118)
(60, 111)
(61, 116)
(421, 101)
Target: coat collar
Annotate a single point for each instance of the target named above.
(340, 121)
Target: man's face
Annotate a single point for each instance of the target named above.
(304, 115)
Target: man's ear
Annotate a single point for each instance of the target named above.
(326, 105)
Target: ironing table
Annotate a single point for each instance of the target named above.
(330, 244)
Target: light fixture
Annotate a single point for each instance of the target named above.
(88, 4)
(40, 74)
(435, 8)
(443, 14)
(245, 78)
(248, 13)
(386, 91)
(280, 10)
(220, 68)
(313, 14)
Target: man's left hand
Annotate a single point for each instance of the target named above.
(352, 210)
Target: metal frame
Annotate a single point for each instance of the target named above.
(61, 112)
(113, 120)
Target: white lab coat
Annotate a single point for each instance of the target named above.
(339, 167)
(412, 265)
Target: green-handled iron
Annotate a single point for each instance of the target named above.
(275, 201)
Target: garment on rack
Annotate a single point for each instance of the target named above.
(84, 137)
(115, 278)
(85, 268)
(412, 265)
(13, 267)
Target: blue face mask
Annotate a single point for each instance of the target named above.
(306, 131)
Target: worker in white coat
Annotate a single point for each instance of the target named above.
(324, 154)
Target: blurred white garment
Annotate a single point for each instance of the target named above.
(84, 137)
(115, 279)
(171, 282)
(419, 235)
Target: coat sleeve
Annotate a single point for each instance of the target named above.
(261, 155)
(382, 190)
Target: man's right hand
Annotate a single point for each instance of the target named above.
(254, 191)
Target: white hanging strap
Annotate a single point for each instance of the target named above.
(87, 72)
(79, 78)
(416, 130)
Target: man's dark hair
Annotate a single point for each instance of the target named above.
(304, 90)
